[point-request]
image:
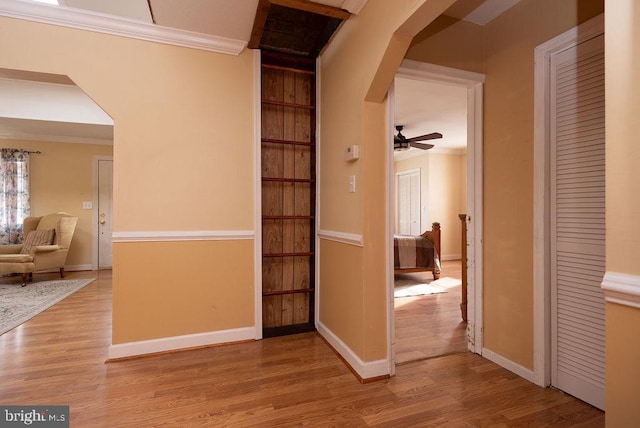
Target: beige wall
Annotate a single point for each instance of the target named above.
(348, 66)
(172, 120)
(175, 168)
(185, 288)
(622, 92)
(357, 69)
(450, 42)
(340, 264)
(443, 195)
(509, 43)
(508, 167)
(61, 178)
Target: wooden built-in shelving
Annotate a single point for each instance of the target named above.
(288, 177)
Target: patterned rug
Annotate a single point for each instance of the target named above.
(411, 287)
(19, 304)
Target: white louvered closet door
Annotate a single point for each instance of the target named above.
(578, 220)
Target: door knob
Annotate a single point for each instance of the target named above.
(102, 221)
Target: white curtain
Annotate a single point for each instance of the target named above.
(14, 188)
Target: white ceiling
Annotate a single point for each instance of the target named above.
(234, 18)
(47, 130)
(225, 18)
(423, 108)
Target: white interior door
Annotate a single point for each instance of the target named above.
(577, 161)
(409, 203)
(105, 196)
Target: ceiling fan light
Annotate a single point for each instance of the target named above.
(401, 145)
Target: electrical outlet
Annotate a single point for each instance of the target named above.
(87, 205)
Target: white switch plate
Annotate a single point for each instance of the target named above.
(87, 205)
(352, 184)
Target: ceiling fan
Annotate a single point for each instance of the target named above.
(400, 142)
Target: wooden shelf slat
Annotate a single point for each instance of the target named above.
(287, 217)
(285, 104)
(288, 254)
(291, 69)
(284, 292)
(288, 180)
(289, 142)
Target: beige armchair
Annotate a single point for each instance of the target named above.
(46, 245)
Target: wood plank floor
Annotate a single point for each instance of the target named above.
(431, 325)
(58, 357)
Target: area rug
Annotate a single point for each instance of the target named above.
(19, 304)
(411, 287)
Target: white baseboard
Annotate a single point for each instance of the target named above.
(76, 268)
(365, 370)
(509, 365)
(131, 349)
(70, 268)
(451, 257)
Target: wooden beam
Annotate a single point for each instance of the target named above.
(262, 13)
(258, 24)
(309, 6)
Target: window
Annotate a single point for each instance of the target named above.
(14, 192)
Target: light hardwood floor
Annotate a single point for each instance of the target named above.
(58, 357)
(430, 326)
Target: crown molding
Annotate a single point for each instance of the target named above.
(102, 23)
(354, 6)
(50, 138)
(410, 69)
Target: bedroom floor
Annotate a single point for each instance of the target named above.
(431, 325)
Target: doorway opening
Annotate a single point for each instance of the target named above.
(51, 114)
(431, 323)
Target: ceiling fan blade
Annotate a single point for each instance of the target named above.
(421, 146)
(432, 136)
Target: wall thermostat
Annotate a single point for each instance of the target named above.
(352, 153)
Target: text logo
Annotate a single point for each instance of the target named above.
(34, 416)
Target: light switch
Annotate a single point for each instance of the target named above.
(352, 184)
(87, 205)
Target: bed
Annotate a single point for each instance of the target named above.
(418, 253)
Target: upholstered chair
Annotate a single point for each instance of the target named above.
(45, 247)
